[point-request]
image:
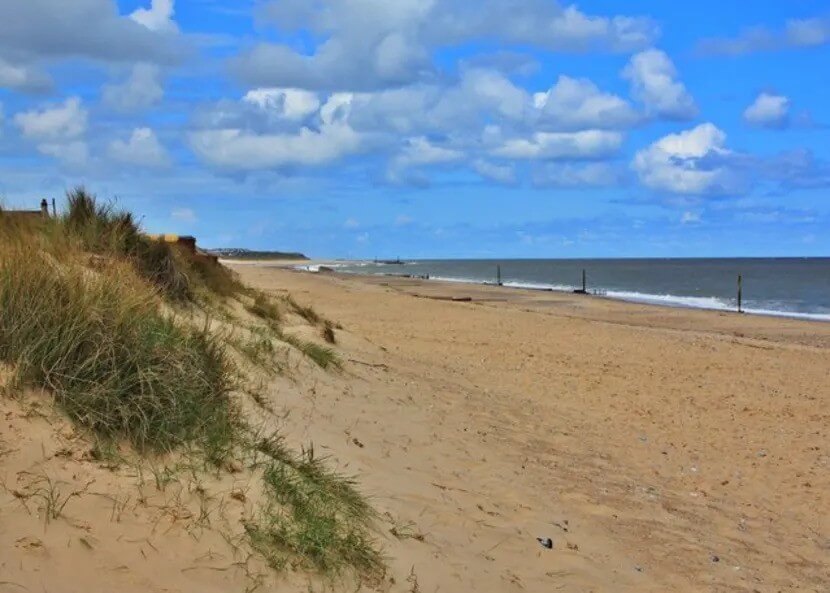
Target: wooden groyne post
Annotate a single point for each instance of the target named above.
(740, 293)
(498, 275)
(584, 289)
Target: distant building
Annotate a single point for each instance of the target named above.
(29, 215)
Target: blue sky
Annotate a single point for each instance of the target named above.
(430, 128)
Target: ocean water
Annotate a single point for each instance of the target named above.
(794, 287)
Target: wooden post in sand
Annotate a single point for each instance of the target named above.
(498, 275)
(740, 293)
(584, 282)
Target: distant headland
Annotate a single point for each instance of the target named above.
(238, 253)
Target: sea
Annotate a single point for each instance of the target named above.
(790, 287)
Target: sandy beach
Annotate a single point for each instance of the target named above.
(660, 449)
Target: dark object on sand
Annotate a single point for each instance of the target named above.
(545, 542)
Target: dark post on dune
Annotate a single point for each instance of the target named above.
(740, 293)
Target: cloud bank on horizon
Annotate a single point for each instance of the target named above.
(495, 128)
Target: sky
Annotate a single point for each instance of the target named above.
(430, 128)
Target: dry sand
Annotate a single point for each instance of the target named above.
(661, 450)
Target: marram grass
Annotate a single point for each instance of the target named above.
(97, 339)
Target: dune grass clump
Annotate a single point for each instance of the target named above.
(214, 278)
(312, 516)
(323, 357)
(100, 229)
(305, 311)
(265, 309)
(98, 341)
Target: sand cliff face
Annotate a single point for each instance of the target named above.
(659, 450)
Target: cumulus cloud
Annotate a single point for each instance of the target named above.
(420, 151)
(692, 162)
(159, 17)
(142, 89)
(57, 29)
(293, 104)
(795, 33)
(372, 44)
(654, 82)
(142, 149)
(585, 144)
(64, 122)
(578, 104)
(241, 150)
(768, 111)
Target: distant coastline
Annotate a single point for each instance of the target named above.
(247, 254)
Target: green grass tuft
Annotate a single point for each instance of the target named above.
(323, 357)
(313, 516)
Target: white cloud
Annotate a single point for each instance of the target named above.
(240, 150)
(811, 32)
(21, 77)
(578, 104)
(73, 154)
(184, 215)
(768, 111)
(293, 104)
(140, 90)
(143, 149)
(373, 44)
(653, 79)
(807, 32)
(585, 144)
(677, 162)
(505, 174)
(690, 217)
(62, 29)
(159, 17)
(419, 151)
(65, 122)
(576, 175)
(351, 223)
